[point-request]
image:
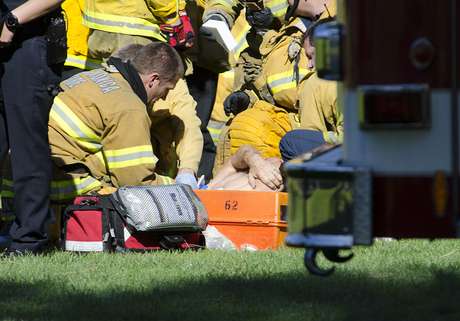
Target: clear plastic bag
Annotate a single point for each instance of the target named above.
(217, 240)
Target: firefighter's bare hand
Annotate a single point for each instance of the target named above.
(264, 171)
(6, 37)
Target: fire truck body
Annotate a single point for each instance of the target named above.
(397, 172)
(399, 109)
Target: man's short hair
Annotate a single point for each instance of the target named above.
(127, 52)
(311, 29)
(161, 58)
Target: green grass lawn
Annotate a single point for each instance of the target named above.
(395, 280)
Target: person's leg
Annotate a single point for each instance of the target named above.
(3, 129)
(203, 85)
(4, 214)
(27, 100)
(299, 141)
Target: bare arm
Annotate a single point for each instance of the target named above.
(225, 171)
(238, 162)
(248, 158)
(33, 9)
(27, 12)
(248, 170)
(244, 157)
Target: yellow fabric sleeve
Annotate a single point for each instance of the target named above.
(318, 108)
(189, 139)
(166, 10)
(230, 9)
(128, 153)
(77, 33)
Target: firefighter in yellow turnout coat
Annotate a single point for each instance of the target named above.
(319, 110)
(321, 120)
(285, 66)
(175, 126)
(99, 128)
(273, 96)
(115, 26)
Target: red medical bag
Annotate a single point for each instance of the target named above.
(93, 224)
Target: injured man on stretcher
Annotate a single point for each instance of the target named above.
(248, 170)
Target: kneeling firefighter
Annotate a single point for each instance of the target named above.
(138, 22)
(93, 144)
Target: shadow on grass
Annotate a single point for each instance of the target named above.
(283, 297)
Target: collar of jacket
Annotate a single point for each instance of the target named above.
(131, 76)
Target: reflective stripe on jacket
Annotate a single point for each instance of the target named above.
(82, 62)
(230, 9)
(133, 17)
(285, 80)
(65, 189)
(277, 7)
(91, 123)
(285, 64)
(71, 125)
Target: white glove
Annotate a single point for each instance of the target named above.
(206, 33)
(187, 178)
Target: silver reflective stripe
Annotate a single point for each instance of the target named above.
(301, 26)
(71, 123)
(282, 81)
(215, 128)
(72, 188)
(131, 156)
(240, 43)
(80, 246)
(112, 23)
(82, 63)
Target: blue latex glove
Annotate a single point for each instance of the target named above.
(187, 178)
